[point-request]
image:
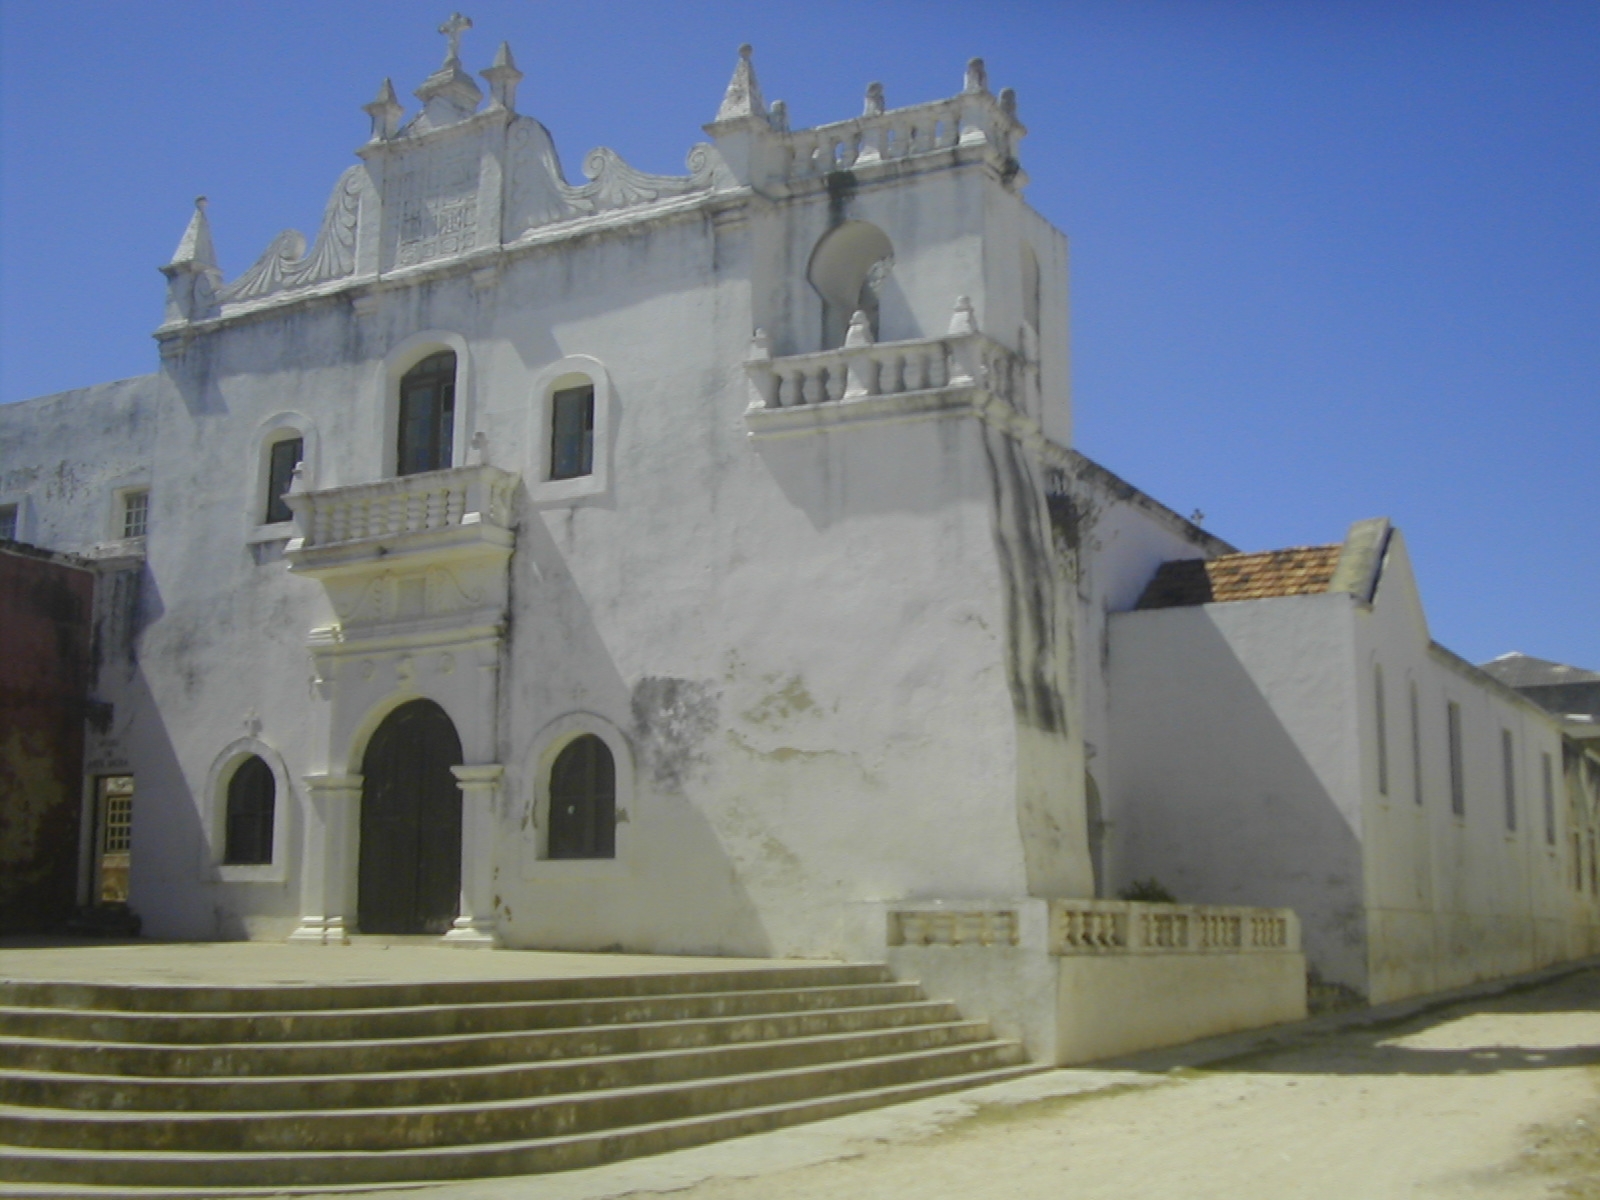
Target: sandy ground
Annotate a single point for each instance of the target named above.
(1494, 1097)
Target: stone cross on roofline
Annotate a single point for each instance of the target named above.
(453, 29)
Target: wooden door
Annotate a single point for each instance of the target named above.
(410, 879)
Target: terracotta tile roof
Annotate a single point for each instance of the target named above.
(1297, 571)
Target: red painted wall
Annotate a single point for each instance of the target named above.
(46, 622)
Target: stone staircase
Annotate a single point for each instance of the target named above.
(147, 1091)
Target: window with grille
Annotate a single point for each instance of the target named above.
(116, 817)
(135, 513)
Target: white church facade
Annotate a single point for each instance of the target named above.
(700, 564)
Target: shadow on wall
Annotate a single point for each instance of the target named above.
(1214, 795)
(677, 886)
(917, 468)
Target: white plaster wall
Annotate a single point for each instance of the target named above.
(1120, 537)
(803, 641)
(1452, 898)
(1233, 748)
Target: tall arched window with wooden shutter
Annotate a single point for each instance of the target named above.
(427, 415)
(252, 804)
(583, 801)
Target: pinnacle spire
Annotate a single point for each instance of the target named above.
(743, 97)
(503, 78)
(385, 111)
(195, 249)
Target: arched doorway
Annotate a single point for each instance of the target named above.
(410, 876)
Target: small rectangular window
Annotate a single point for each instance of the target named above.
(135, 513)
(1383, 730)
(572, 432)
(286, 456)
(1509, 765)
(1548, 775)
(1458, 783)
(1416, 746)
(8, 522)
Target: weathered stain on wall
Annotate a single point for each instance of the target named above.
(46, 607)
(672, 719)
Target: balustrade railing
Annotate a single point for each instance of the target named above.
(898, 134)
(884, 369)
(1103, 927)
(953, 927)
(891, 135)
(1130, 927)
(410, 504)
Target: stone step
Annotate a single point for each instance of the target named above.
(388, 1129)
(255, 1059)
(434, 1019)
(374, 1088)
(322, 997)
(153, 1175)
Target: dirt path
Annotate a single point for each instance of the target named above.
(1490, 1098)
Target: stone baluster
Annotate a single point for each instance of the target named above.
(835, 375)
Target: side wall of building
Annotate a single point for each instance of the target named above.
(1467, 847)
(1234, 755)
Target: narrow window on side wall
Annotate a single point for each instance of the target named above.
(572, 432)
(1458, 782)
(286, 456)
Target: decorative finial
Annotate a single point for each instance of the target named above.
(743, 97)
(1008, 102)
(977, 77)
(860, 331)
(453, 29)
(503, 78)
(874, 105)
(385, 111)
(778, 116)
(760, 346)
(480, 448)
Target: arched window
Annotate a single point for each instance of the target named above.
(283, 456)
(252, 800)
(427, 415)
(572, 431)
(583, 801)
(848, 269)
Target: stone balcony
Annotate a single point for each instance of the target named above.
(425, 553)
(867, 380)
(435, 513)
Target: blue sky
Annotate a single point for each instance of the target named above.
(1331, 260)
